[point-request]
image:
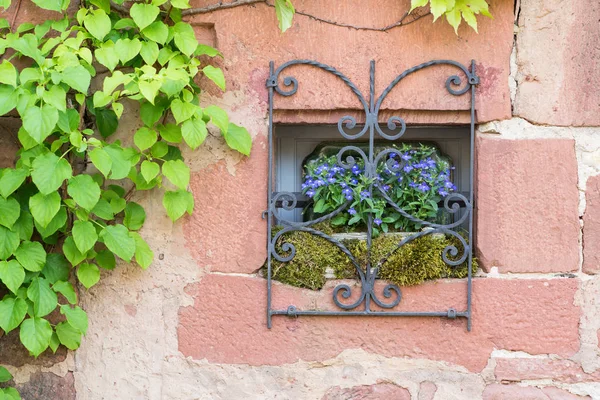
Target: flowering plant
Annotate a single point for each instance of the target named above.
(415, 177)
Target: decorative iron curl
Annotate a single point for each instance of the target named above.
(350, 160)
(350, 123)
(392, 124)
(390, 162)
(457, 81)
(347, 292)
(387, 293)
(454, 251)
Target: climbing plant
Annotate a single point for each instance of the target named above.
(65, 207)
(454, 11)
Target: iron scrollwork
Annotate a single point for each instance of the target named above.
(459, 84)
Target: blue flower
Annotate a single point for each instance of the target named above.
(423, 187)
(354, 182)
(408, 168)
(331, 180)
(343, 184)
(386, 188)
(442, 192)
(347, 191)
(310, 193)
(364, 194)
(377, 221)
(349, 197)
(406, 156)
(352, 211)
(393, 155)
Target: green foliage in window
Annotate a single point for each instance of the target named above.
(62, 223)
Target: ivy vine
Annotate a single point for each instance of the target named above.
(64, 210)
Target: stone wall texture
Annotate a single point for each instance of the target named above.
(193, 326)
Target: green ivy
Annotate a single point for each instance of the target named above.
(454, 11)
(64, 212)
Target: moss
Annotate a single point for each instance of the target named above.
(411, 264)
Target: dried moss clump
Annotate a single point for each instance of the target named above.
(411, 264)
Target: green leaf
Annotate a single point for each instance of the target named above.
(68, 335)
(417, 3)
(24, 226)
(39, 122)
(177, 173)
(170, 133)
(44, 299)
(57, 222)
(144, 14)
(107, 56)
(52, 5)
(54, 342)
(84, 190)
(177, 203)
(218, 117)
(149, 89)
(12, 312)
(8, 73)
(182, 4)
(57, 268)
(77, 77)
(67, 290)
(144, 138)
(238, 139)
(149, 170)
(216, 75)
(49, 172)
(134, 216)
(56, 97)
(124, 23)
(121, 165)
(149, 52)
(5, 376)
(9, 242)
(97, 23)
(106, 121)
(150, 113)
(182, 111)
(194, 132)
(44, 207)
(101, 160)
(157, 31)
(439, 7)
(468, 15)
(106, 259)
(71, 251)
(88, 275)
(185, 39)
(84, 235)
(118, 240)
(454, 19)
(28, 46)
(285, 14)
(209, 51)
(35, 335)
(127, 49)
(68, 121)
(76, 317)
(31, 255)
(103, 210)
(143, 254)
(8, 98)
(9, 211)
(12, 275)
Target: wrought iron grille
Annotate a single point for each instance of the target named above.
(455, 203)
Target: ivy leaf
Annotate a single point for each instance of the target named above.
(185, 38)
(149, 170)
(35, 334)
(71, 251)
(28, 46)
(467, 14)
(39, 122)
(454, 19)
(84, 190)
(8, 73)
(49, 172)
(24, 226)
(8, 98)
(106, 121)
(103, 210)
(54, 342)
(76, 317)
(143, 14)
(88, 275)
(12, 312)
(107, 56)
(170, 133)
(149, 88)
(121, 164)
(194, 132)
(56, 97)
(52, 5)
(58, 222)
(44, 299)
(9, 212)
(97, 23)
(31, 255)
(143, 254)
(127, 49)
(144, 138)
(77, 77)
(9, 242)
(182, 111)
(67, 290)
(285, 14)
(57, 268)
(238, 139)
(84, 235)
(439, 7)
(44, 207)
(135, 216)
(68, 336)
(417, 3)
(101, 160)
(150, 113)
(157, 31)
(181, 4)
(117, 239)
(218, 117)
(12, 275)
(149, 52)
(5, 376)
(177, 203)
(106, 259)
(216, 75)
(177, 173)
